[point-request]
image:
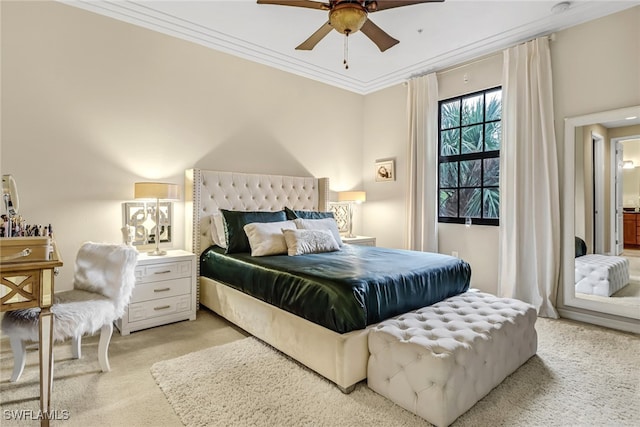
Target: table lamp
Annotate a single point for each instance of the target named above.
(158, 191)
(351, 197)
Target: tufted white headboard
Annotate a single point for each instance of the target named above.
(206, 192)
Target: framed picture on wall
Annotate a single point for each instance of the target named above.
(385, 170)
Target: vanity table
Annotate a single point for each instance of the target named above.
(29, 284)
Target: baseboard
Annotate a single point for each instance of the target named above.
(630, 325)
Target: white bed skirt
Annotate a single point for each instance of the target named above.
(341, 358)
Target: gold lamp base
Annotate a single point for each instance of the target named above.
(156, 252)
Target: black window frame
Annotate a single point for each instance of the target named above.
(467, 156)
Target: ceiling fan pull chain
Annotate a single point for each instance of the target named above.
(346, 51)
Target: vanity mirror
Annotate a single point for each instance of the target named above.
(599, 189)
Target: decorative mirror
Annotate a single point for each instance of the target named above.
(141, 216)
(341, 214)
(600, 190)
(10, 195)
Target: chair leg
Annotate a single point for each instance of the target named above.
(103, 346)
(19, 357)
(76, 350)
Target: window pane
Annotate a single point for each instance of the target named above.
(494, 105)
(448, 175)
(470, 173)
(450, 142)
(472, 139)
(493, 136)
(472, 110)
(470, 202)
(448, 203)
(492, 172)
(450, 114)
(491, 205)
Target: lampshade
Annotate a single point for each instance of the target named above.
(156, 190)
(352, 196)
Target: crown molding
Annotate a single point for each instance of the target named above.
(141, 15)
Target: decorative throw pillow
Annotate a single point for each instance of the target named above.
(291, 214)
(266, 238)
(300, 242)
(217, 230)
(234, 222)
(328, 224)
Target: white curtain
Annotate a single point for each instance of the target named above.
(422, 206)
(529, 190)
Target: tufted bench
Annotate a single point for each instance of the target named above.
(601, 274)
(438, 361)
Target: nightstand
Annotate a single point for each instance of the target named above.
(165, 291)
(360, 240)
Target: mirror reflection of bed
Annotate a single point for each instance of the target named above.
(607, 211)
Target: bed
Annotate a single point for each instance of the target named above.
(339, 353)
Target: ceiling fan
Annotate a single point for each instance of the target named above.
(349, 16)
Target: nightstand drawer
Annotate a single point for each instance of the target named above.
(160, 307)
(165, 291)
(161, 289)
(360, 240)
(367, 243)
(163, 271)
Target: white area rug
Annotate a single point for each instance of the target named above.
(582, 376)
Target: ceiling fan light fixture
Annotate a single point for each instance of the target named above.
(347, 18)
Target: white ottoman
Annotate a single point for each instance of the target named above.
(438, 361)
(601, 275)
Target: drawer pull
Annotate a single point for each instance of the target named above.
(162, 290)
(162, 272)
(164, 307)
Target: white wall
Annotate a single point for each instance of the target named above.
(595, 67)
(90, 105)
(386, 135)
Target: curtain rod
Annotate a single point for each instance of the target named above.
(551, 37)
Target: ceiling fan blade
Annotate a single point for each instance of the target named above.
(378, 5)
(383, 40)
(298, 3)
(312, 41)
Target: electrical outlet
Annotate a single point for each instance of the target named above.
(454, 253)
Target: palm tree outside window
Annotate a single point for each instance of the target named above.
(469, 137)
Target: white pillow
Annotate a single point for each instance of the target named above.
(300, 242)
(217, 230)
(328, 224)
(266, 238)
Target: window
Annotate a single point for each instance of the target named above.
(469, 136)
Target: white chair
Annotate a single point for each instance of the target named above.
(103, 281)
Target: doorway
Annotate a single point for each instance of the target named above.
(598, 193)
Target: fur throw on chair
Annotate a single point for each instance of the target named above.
(103, 281)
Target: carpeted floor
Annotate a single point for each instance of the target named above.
(582, 375)
(126, 396)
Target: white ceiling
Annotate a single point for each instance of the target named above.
(433, 36)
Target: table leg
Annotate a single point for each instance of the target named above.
(46, 364)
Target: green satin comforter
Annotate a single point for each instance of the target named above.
(344, 290)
